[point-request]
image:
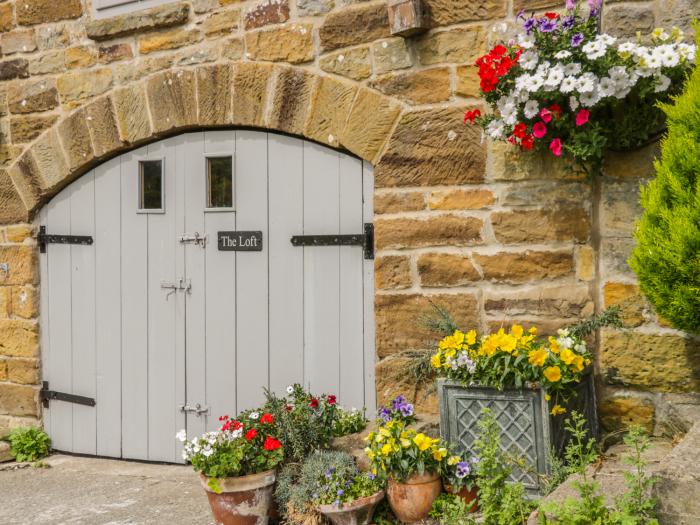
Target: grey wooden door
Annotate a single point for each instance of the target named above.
(153, 317)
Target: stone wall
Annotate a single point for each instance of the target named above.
(475, 227)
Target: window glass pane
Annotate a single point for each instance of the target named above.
(151, 185)
(220, 182)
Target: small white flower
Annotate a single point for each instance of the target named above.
(521, 82)
(644, 72)
(606, 87)
(663, 83)
(573, 103)
(572, 69)
(181, 436)
(207, 452)
(532, 109)
(185, 456)
(526, 41)
(563, 54)
(534, 83)
(589, 99)
(253, 415)
(586, 83)
(594, 49)
(669, 56)
(556, 75)
(196, 448)
(528, 60)
(621, 93)
(626, 48)
(568, 84)
(290, 389)
(495, 129)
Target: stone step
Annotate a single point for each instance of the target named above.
(5, 452)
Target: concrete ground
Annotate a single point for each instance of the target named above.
(101, 492)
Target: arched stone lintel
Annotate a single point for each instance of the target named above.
(247, 94)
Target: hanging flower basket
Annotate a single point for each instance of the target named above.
(567, 89)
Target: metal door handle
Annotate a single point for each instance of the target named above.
(197, 410)
(194, 238)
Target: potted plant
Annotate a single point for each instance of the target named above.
(459, 478)
(237, 466)
(412, 464)
(347, 497)
(528, 381)
(564, 88)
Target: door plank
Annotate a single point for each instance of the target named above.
(286, 183)
(251, 197)
(83, 313)
(60, 357)
(321, 269)
(220, 284)
(108, 314)
(351, 390)
(134, 268)
(45, 340)
(163, 250)
(368, 291)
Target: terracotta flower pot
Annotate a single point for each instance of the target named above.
(359, 512)
(412, 499)
(468, 496)
(244, 500)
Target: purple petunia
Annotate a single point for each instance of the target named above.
(577, 40)
(595, 6)
(568, 22)
(571, 4)
(547, 25)
(462, 469)
(530, 24)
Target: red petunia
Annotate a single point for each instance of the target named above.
(250, 435)
(556, 109)
(314, 402)
(520, 130)
(470, 116)
(552, 16)
(331, 398)
(267, 419)
(271, 443)
(526, 143)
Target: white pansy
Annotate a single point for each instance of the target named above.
(573, 103)
(568, 84)
(586, 83)
(561, 55)
(532, 108)
(662, 83)
(181, 436)
(572, 69)
(526, 41)
(528, 60)
(495, 129)
(253, 415)
(606, 87)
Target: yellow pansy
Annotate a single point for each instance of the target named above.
(453, 460)
(556, 410)
(435, 360)
(547, 397)
(537, 357)
(386, 449)
(405, 443)
(567, 356)
(578, 363)
(552, 373)
(439, 454)
(517, 331)
(587, 362)
(553, 345)
(489, 346)
(471, 337)
(422, 441)
(532, 330)
(458, 337)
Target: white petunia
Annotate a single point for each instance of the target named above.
(644, 72)
(669, 56)
(621, 93)
(606, 40)
(653, 61)
(563, 54)
(556, 75)
(253, 415)
(572, 69)
(528, 60)
(573, 103)
(526, 41)
(568, 84)
(185, 456)
(589, 99)
(606, 87)
(495, 129)
(521, 82)
(618, 74)
(662, 83)
(207, 452)
(290, 389)
(687, 51)
(586, 83)
(594, 50)
(181, 436)
(531, 109)
(626, 48)
(534, 83)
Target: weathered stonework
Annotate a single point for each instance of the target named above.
(495, 235)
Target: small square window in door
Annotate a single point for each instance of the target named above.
(151, 185)
(219, 182)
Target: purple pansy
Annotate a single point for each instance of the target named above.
(462, 469)
(385, 414)
(406, 409)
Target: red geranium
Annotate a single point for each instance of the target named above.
(527, 142)
(331, 399)
(237, 425)
(471, 116)
(495, 65)
(520, 130)
(314, 402)
(271, 443)
(552, 16)
(250, 435)
(267, 419)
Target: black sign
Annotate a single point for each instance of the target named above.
(240, 241)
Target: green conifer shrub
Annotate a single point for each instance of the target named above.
(667, 256)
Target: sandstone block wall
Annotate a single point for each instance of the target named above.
(493, 236)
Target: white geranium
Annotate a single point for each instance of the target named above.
(531, 109)
(528, 60)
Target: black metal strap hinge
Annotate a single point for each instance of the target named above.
(46, 395)
(366, 240)
(44, 238)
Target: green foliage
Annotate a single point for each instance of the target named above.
(29, 444)
(439, 321)
(304, 422)
(610, 317)
(500, 502)
(450, 509)
(666, 258)
(349, 422)
(297, 483)
(559, 471)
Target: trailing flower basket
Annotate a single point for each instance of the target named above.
(528, 430)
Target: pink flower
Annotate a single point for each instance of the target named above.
(582, 117)
(555, 146)
(545, 114)
(539, 130)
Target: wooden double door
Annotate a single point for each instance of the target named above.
(165, 327)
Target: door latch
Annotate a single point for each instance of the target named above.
(197, 410)
(195, 239)
(173, 286)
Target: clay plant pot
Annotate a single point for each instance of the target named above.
(244, 500)
(468, 496)
(412, 499)
(359, 512)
